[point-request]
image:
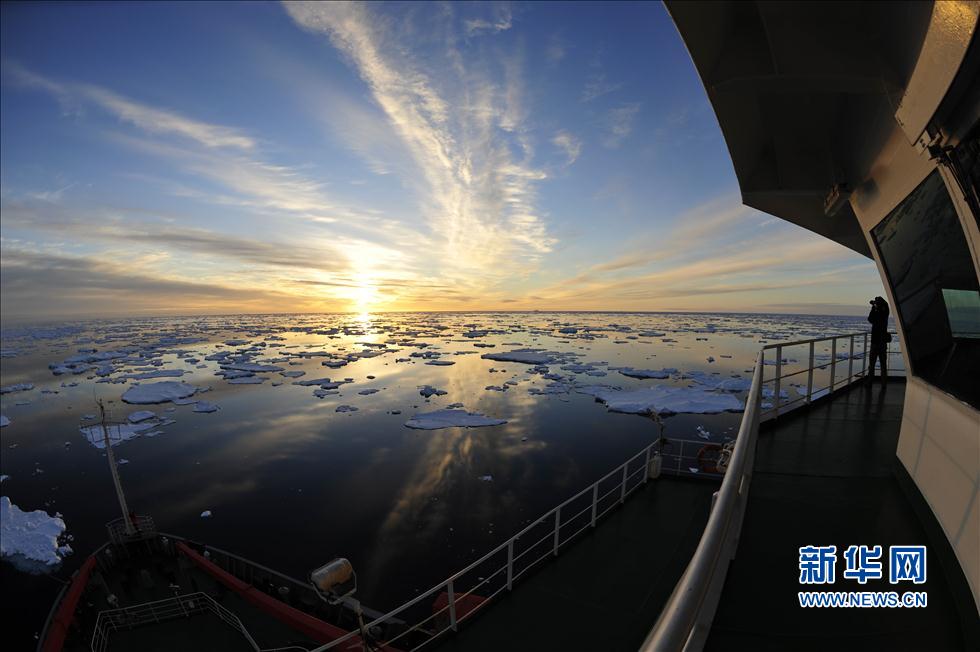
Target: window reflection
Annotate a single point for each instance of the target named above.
(928, 264)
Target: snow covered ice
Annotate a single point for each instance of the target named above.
(451, 419)
(31, 535)
(163, 392)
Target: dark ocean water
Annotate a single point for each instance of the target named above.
(291, 482)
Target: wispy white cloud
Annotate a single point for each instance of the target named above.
(569, 145)
(145, 117)
(555, 50)
(502, 20)
(597, 83)
(619, 124)
(477, 195)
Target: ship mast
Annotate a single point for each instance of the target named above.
(130, 528)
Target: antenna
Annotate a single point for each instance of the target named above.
(130, 528)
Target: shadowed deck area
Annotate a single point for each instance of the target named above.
(828, 476)
(605, 591)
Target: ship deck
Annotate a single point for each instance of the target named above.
(829, 475)
(605, 590)
(824, 475)
(147, 577)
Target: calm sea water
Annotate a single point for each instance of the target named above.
(291, 482)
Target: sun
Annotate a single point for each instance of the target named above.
(365, 297)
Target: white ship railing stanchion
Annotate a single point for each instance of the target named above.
(864, 358)
(809, 377)
(451, 595)
(557, 528)
(622, 491)
(850, 361)
(595, 502)
(833, 363)
(779, 375)
(510, 565)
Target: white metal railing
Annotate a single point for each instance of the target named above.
(456, 598)
(144, 528)
(686, 620)
(181, 606)
(832, 363)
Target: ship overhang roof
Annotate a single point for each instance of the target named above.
(805, 95)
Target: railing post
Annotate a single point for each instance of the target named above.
(622, 490)
(809, 377)
(557, 531)
(646, 465)
(595, 501)
(864, 357)
(833, 363)
(510, 564)
(850, 361)
(779, 375)
(452, 605)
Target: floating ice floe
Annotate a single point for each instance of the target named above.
(206, 513)
(486, 478)
(4, 421)
(118, 433)
(19, 387)
(440, 363)
(248, 380)
(204, 406)
(346, 408)
(451, 419)
(663, 399)
(647, 373)
(158, 392)
(526, 356)
(429, 390)
(31, 535)
(251, 366)
(368, 392)
(717, 382)
(156, 373)
(140, 415)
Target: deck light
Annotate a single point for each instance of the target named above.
(334, 580)
(836, 198)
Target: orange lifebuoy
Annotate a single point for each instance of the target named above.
(704, 463)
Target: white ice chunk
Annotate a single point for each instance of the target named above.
(118, 433)
(664, 399)
(249, 380)
(526, 356)
(158, 392)
(141, 415)
(429, 390)
(204, 406)
(206, 513)
(647, 373)
(19, 387)
(31, 535)
(451, 419)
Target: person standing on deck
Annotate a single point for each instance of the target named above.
(879, 338)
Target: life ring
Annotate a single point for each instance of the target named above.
(704, 463)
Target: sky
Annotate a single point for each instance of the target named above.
(199, 158)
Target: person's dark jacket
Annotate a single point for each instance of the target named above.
(879, 323)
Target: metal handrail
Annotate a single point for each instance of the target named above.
(144, 528)
(553, 538)
(144, 613)
(811, 392)
(684, 617)
(685, 621)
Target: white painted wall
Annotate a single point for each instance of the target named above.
(939, 443)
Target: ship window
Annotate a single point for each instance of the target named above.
(928, 265)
